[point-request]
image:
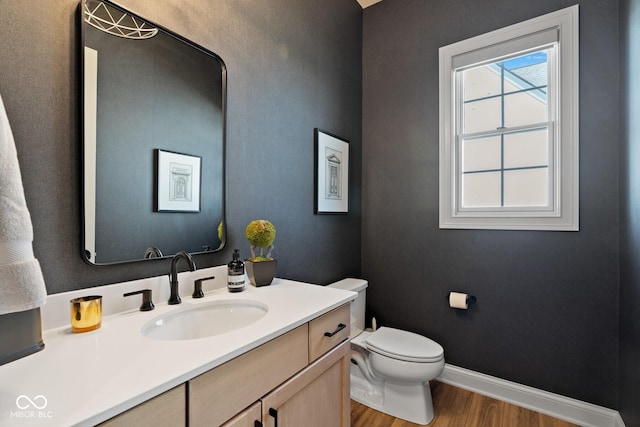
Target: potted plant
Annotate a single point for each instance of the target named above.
(261, 268)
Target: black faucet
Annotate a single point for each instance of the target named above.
(147, 304)
(197, 287)
(175, 298)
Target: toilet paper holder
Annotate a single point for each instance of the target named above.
(470, 298)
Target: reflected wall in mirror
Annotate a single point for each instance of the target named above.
(147, 90)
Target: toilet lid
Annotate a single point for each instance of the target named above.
(404, 345)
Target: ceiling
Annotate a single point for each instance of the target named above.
(367, 3)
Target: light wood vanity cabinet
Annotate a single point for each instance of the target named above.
(165, 410)
(316, 397)
(246, 418)
(217, 395)
(299, 379)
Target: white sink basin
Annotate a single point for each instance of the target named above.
(204, 320)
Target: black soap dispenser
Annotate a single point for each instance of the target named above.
(235, 273)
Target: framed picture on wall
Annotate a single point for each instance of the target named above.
(178, 182)
(331, 170)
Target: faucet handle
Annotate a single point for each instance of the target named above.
(147, 304)
(197, 290)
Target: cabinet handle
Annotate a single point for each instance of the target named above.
(274, 414)
(341, 326)
(257, 423)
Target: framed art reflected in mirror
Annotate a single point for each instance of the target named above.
(178, 182)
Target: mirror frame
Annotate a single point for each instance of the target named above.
(223, 114)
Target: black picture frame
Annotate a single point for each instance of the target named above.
(331, 173)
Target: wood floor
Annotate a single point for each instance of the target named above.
(455, 407)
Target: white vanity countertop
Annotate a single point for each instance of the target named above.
(87, 378)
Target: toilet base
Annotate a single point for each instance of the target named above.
(408, 402)
(364, 392)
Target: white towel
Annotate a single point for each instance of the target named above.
(21, 282)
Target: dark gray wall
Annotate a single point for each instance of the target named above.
(293, 65)
(630, 214)
(547, 302)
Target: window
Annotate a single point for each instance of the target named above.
(509, 127)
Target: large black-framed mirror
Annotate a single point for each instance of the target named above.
(154, 139)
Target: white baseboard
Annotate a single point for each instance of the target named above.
(555, 405)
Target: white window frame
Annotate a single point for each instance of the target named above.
(563, 212)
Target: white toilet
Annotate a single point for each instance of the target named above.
(391, 368)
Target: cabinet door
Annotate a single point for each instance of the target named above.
(318, 396)
(168, 409)
(250, 417)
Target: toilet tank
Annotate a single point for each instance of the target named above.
(358, 305)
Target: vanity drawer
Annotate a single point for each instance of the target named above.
(167, 409)
(217, 395)
(328, 330)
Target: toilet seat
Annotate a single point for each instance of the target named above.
(404, 345)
